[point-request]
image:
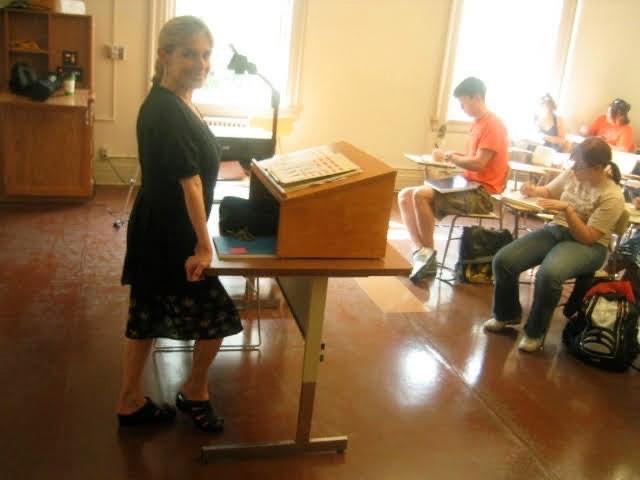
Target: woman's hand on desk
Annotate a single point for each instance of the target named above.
(441, 156)
(528, 189)
(437, 155)
(551, 204)
(197, 262)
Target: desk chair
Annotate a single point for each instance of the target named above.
(542, 156)
(517, 211)
(496, 215)
(584, 282)
(634, 223)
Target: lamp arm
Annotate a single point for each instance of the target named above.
(275, 104)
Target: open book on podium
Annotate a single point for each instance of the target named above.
(312, 166)
(346, 217)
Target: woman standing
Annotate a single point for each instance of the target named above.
(589, 204)
(168, 245)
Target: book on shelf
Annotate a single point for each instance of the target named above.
(232, 248)
(456, 183)
(307, 167)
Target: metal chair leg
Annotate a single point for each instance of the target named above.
(443, 264)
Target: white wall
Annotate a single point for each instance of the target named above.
(120, 85)
(605, 63)
(370, 73)
(370, 76)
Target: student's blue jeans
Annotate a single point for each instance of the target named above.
(560, 258)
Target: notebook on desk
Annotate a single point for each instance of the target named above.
(429, 161)
(456, 183)
(517, 199)
(232, 248)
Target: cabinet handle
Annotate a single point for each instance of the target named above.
(89, 114)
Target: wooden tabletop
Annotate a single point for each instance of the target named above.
(80, 99)
(391, 265)
(529, 168)
(634, 213)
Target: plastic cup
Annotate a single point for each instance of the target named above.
(70, 86)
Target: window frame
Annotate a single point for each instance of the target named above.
(163, 10)
(566, 33)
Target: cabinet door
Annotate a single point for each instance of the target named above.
(46, 152)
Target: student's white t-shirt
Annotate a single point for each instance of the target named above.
(598, 206)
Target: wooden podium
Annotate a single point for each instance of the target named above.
(335, 229)
(346, 218)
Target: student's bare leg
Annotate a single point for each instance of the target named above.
(196, 385)
(408, 215)
(424, 217)
(134, 358)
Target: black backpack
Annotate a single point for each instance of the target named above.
(605, 332)
(245, 219)
(478, 245)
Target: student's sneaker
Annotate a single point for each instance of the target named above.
(424, 264)
(494, 325)
(528, 344)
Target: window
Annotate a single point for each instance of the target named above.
(268, 32)
(517, 47)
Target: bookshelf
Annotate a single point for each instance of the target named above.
(40, 39)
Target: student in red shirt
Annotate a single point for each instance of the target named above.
(485, 163)
(614, 127)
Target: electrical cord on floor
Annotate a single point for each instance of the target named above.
(122, 180)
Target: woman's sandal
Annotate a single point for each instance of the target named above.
(148, 414)
(202, 413)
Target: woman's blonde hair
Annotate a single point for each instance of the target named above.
(174, 33)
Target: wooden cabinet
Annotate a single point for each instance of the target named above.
(46, 148)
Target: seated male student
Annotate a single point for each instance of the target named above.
(485, 163)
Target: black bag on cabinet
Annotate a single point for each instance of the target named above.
(22, 78)
(24, 81)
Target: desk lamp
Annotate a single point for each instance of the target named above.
(240, 65)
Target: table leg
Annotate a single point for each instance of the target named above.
(306, 297)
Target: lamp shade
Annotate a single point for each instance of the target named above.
(239, 64)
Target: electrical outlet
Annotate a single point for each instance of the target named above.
(103, 152)
(117, 52)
